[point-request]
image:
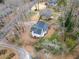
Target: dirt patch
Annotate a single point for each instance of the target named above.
(50, 32)
(9, 51)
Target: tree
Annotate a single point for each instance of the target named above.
(1, 1)
(4, 51)
(61, 5)
(69, 26)
(62, 2)
(11, 55)
(66, 23)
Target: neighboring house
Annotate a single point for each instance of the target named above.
(39, 29)
(52, 2)
(46, 13)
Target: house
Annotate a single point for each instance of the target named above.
(46, 13)
(52, 2)
(39, 29)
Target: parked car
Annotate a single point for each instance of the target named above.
(39, 29)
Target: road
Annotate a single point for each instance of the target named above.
(22, 53)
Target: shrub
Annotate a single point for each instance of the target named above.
(10, 56)
(52, 44)
(3, 51)
(70, 42)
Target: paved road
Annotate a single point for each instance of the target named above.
(23, 54)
